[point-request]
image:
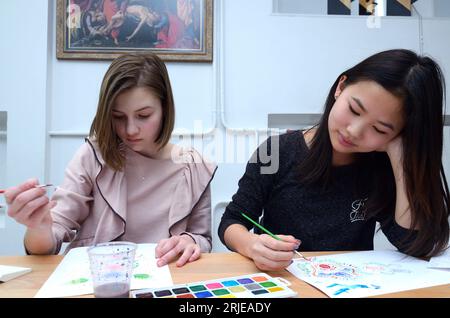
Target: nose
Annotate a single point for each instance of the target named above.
(355, 129)
(132, 128)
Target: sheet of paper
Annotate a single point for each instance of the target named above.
(367, 273)
(72, 277)
(441, 261)
(10, 272)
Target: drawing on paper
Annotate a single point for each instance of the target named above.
(367, 273)
(141, 268)
(73, 277)
(342, 288)
(329, 268)
(78, 281)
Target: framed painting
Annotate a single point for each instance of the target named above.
(176, 30)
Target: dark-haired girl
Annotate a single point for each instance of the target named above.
(375, 156)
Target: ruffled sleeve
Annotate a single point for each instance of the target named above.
(73, 197)
(190, 212)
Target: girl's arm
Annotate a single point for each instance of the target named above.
(254, 191)
(196, 239)
(39, 242)
(30, 206)
(239, 239)
(199, 224)
(267, 253)
(251, 196)
(73, 200)
(402, 210)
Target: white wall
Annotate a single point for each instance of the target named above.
(23, 94)
(263, 63)
(3, 124)
(301, 6)
(441, 8)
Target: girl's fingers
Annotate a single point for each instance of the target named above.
(169, 245)
(278, 245)
(289, 238)
(29, 215)
(12, 192)
(159, 247)
(166, 245)
(34, 205)
(24, 200)
(167, 257)
(267, 264)
(39, 217)
(169, 251)
(196, 255)
(187, 253)
(277, 255)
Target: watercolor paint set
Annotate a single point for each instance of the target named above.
(259, 285)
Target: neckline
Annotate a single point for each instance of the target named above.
(130, 153)
(134, 154)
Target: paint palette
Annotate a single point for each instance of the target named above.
(259, 285)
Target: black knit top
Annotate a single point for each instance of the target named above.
(331, 219)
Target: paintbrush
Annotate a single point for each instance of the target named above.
(270, 233)
(36, 186)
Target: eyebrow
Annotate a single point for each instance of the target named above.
(360, 104)
(143, 108)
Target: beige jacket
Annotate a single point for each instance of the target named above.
(92, 201)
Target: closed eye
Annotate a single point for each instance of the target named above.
(353, 111)
(379, 131)
(143, 116)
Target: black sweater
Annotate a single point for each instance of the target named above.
(330, 220)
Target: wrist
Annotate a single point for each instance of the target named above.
(43, 230)
(394, 150)
(396, 164)
(39, 241)
(250, 242)
(188, 237)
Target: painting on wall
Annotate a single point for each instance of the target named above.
(342, 7)
(398, 7)
(367, 7)
(176, 30)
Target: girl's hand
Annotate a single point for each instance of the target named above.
(30, 206)
(169, 249)
(270, 254)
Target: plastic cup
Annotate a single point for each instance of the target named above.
(111, 268)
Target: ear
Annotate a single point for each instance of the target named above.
(340, 87)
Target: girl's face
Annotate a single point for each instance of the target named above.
(137, 116)
(364, 118)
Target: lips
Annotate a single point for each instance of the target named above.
(344, 141)
(133, 140)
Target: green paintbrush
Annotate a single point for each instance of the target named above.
(270, 233)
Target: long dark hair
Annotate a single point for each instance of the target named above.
(419, 83)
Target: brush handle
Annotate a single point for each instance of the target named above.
(37, 186)
(299, 254)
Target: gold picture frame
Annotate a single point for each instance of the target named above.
(176, 30)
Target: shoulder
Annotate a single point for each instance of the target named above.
(198, 171)
(293, 138)
(87, 155)
(84, 151)
(289, 144)
(193, 160)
